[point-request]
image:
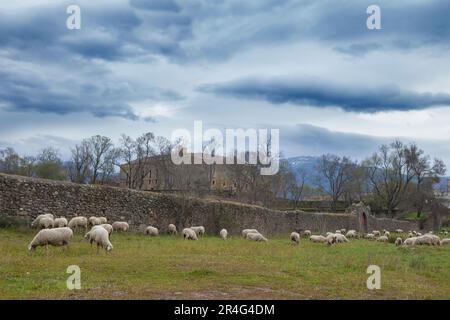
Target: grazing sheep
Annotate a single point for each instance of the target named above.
(103, 220)
(331, 238)
(120, 226)
(328, 233)
(317, 238)
(189, 234)
(172, 229)
(387, 233)
(256, 236)
(223, 234)
(107, 227)
(340, 238)
(445, 242)
(370, 236)
(414, 232)
(152, 231)
(307, 233)
(54, 237)
(245, 231)
(351, 234)
(46, 223)
(77, 222)
(429, 239)
(343, 230)
(94, 221)
(410, 241)
(35, 222)
(399, 230)
(376, 233)
(100, 236)
(200, 230)
(410, 234)
(398, 241)
(337, 232)
(60, 222)
(383, 239)
(295, 237)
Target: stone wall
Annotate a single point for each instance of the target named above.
(24, 198)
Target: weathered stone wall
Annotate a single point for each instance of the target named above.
(25, 198)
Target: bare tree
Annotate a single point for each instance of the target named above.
(99, 146)
(425, 175)
(296, 185)
(334, 174)
(390, 173)
(9, 161)
(80, 164)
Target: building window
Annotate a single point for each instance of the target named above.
(156, 181)
(150, 173)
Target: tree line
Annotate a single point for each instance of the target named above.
(397, 177)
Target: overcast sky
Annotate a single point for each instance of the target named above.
(310, 68)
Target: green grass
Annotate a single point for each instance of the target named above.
(166, 267)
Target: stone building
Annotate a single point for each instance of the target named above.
(159, 173)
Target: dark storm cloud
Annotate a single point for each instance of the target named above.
(29, 92)
(320, 93)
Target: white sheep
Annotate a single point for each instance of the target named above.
(410, 234)
(398, 241)
(387, 233)
(223, 234)
(343, 230)
(256, 236)
(60, 222)
(399, 230)
(429, 239)
(189, 234)
(338, 232)
(370, 236)
(107, 227)
(351, 234)
(328, 233)
(376, 233)
(172, 229)
(245, 231)
(103, 220)
(100, 236)
(307, 233)
(295, 237)
(54, 237)
(78, 222)
(200, 230)
(35, 222)
(46, 223)
(152, 231)
(340, 238)
(94, 221)
(445, 242)
(383, 239)
(319, 238)
(410, 241)
(120, 226)
(331, 238)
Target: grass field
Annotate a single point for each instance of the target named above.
(166, 267)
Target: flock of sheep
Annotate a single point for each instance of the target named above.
(413, 237)
(59, 231)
